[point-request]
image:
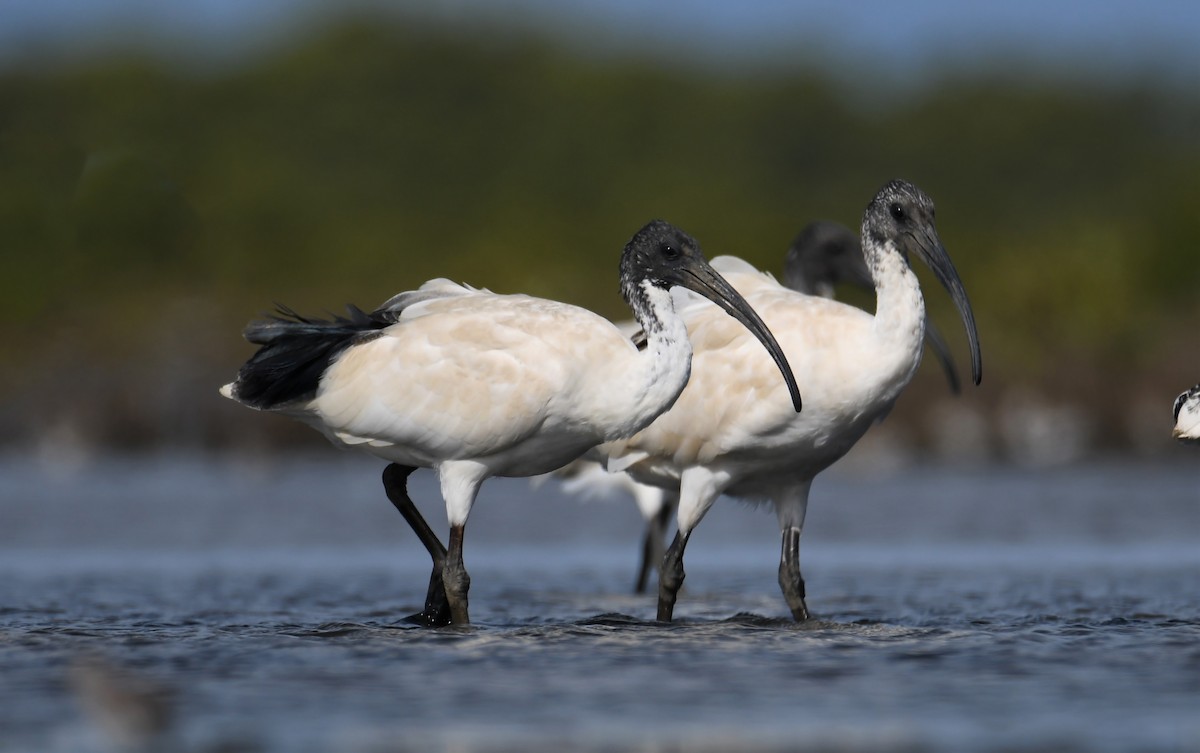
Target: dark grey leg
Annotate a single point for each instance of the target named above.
(670, 579)
(437, 608)
(790, 580)
(652, 547)
(455, 578)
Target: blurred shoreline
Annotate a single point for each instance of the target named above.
(1020, 428)
(149, 212)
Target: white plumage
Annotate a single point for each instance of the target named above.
(731, 430)
(822, 256)
(475, 384)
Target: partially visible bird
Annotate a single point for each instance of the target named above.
(135, 712)
(475, 384)
(824, 255)
(1187, 416)
(731, 431)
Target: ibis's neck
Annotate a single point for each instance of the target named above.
(899, 310)
(658, 373)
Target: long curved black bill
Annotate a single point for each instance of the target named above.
(931, 251)
(703, 279)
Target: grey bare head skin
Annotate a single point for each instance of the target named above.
(826, 254)
(904, 214)
(666, 257)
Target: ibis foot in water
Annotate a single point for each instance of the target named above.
(670, 578)
(790, 580)
(437, 608)
(455, 580)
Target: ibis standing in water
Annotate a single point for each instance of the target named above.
(823, 255)
(732, 431)
(1187, 416)
(473, 384)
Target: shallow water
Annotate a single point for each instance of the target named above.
(985, 609)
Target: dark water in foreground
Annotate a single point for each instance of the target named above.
(987, 610)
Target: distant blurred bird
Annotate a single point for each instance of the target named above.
(823, 255)
(134, 711)
(731, 430)
(474, 384)
(1187, 416)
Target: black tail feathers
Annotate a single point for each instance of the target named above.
(295, 352)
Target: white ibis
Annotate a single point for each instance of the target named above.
(733, 431)
(822, 256)
(473, 384)
(1187, 416)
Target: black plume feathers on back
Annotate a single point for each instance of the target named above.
(296, 350)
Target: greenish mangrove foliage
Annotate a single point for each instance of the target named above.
(147, 210)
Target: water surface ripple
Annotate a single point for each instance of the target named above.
(933, 631)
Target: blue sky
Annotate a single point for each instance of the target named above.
(1108, 36)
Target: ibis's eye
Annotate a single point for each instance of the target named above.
(668, 251)
(897, 212)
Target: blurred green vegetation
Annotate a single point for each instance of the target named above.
(148, 210)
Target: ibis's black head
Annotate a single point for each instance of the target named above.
(664, 256)
(897, 211)
(823, 255)
(902, 214)
(658, 253)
